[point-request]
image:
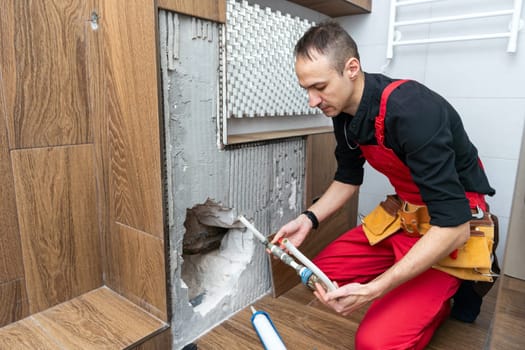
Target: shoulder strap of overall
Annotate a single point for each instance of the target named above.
(380, 119)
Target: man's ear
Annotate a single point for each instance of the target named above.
(352, 68)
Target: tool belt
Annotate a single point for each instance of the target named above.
(472, 261)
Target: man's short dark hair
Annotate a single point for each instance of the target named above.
(330, 39)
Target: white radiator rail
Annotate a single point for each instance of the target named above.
(511, 34)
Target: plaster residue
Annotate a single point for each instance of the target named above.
(292, 199)
(221, 269)
(211, 275)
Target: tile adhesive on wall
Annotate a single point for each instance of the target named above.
(216, 268)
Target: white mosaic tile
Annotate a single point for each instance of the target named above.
(260, 76)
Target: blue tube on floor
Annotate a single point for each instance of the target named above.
(263, 325)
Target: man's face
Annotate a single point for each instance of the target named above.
(327, 89)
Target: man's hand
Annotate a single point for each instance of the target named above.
(348, 298)
(295, 231)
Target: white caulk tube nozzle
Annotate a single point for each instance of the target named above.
(308, 263)
(263, 325)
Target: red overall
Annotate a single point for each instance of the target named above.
(406, 317)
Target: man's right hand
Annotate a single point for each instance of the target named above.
(295, 231)
(334, 198)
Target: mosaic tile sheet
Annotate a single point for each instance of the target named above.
(260, 77)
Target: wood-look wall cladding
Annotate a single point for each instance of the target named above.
(13, 298)
(135, 241)
(133, 105)
(13, 302)
(80, 170)
(10, 253)
(161, 341)
(45, 72)
(139, 259)
(55, 196)
(214, 10)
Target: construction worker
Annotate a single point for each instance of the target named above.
(416, 138)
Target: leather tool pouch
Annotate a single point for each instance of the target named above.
(473, 261)
(383, 221)
(391, 215)
(415, 219)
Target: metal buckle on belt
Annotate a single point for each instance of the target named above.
(479, 213)
(409, 219)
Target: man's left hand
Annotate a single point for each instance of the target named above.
(346, 299)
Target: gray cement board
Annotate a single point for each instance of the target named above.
(263, 181)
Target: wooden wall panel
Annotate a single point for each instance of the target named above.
(97, 97)
(161, 341)
(141, 269)
(214, 10)
(55, 196)
(13, 302)
(133, 110)
(10, 253)
(514, 258)
(13, 297)
(44, 71)
(320, 170)
(337, 8)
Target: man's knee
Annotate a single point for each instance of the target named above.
(379, 336)
(368, 338)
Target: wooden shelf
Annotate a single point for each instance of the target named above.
(213, 10)
(272, 135)
(98, 319)
(337, 8)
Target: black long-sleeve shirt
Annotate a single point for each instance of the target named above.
(427, 135)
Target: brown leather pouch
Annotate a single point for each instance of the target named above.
(415, 219)
(383, 221)
(473, 261)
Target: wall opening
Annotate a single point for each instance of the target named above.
(215, 253)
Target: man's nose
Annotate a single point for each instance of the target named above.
(313, 99)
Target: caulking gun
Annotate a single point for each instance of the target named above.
(307, 271)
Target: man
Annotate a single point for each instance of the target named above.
(420, 144)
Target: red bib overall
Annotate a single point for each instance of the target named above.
(406, 317)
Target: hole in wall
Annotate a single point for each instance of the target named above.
(215, 252)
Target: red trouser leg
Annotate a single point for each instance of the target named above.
(350, 258)
(406, 317)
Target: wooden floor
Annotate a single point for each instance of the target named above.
(100, 319)
(305, 323)
(508, 331)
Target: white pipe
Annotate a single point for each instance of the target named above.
(390, 38)
(316, 271)
(414, 2)
(273, 248)
(453, 38)
(455, 18)
(252, 228)
(515, 26)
